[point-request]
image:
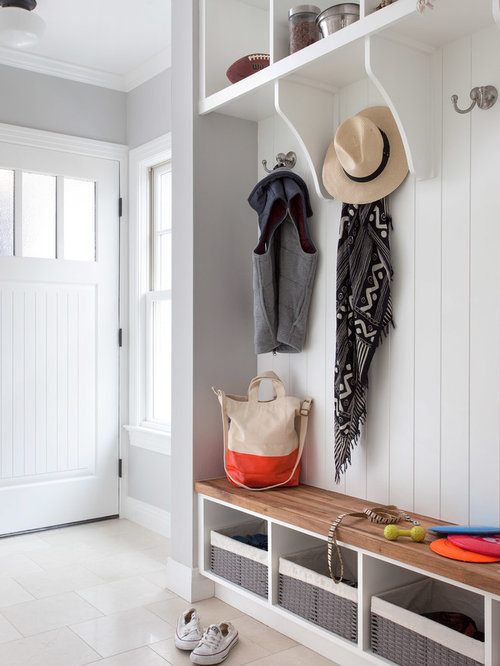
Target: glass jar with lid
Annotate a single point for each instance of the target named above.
(302, 25)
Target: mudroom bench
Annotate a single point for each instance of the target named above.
(373, 618)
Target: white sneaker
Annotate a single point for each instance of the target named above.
(216, 644)
(189, 630)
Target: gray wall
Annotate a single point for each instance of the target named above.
(50, 103)
(215, 168)
(149, 477)
(149, 113)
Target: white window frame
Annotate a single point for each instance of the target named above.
(143, 432)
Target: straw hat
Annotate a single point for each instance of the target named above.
(366, 160)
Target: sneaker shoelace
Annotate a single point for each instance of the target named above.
(211, 637)
(189, 627)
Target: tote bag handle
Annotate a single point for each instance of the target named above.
(278, 388)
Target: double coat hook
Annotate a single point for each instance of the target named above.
(483, 96)
(289, 160)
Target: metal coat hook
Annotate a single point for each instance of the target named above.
(289, 160)
(483, 96)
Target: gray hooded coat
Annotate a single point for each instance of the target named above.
(284, 262)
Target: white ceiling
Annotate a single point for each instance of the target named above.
(113, 43)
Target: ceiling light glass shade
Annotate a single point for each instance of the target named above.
(20, 28)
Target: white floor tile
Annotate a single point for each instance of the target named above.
(159, 577)
(244, 652)
(56, 581)
(124, 631)
(24, 543)
(124, 594)
(12, 593)
(54, 648)
(172, 654)
(260, 634)
(17, 565)
(296, 656)
(211, 611)
(64, 555)
(124, 564)
(141, 657)
(7, 633)
(41, 615)
(109, 536)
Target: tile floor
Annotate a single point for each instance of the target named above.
(96, 594)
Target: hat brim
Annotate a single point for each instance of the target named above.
(341, 187)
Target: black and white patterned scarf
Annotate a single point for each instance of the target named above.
(364, 312)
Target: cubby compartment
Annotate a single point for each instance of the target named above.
(239, 554)
(230, 30)
(306, 589)
(412, 625)
(281, 28)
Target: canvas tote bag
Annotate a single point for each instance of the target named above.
(262, 448)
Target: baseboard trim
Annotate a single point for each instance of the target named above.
(147, 515)
(188, 583)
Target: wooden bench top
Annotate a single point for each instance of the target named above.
(314, 509)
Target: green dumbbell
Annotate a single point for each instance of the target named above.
(392, 532)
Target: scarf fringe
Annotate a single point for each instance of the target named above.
(346, 441)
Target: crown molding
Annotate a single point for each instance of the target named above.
(147, 70)
(50, 67)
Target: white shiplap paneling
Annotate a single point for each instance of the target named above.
(431, 441)
(484, 455)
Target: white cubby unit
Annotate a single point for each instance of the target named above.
(393, 47)
(376, 573)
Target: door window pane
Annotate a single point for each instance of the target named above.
(79, 219)
(39, 215)
(6, 212)
(161, 365)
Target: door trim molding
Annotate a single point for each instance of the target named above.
(27, 136)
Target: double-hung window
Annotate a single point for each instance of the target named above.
(150, 294)
(159, 298)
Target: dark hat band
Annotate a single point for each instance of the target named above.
(386, 151)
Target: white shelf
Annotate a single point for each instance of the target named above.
(339, 59)
(392, 46)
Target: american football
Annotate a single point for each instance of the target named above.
(246, 66)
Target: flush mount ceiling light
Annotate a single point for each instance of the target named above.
(19, 27)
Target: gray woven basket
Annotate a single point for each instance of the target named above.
(407, 648)
(239, 563)
(324, 604)
(399, 632)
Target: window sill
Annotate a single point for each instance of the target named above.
(151, 439)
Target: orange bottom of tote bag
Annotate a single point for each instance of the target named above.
(245, 469)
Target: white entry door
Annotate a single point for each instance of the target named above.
(59, 355)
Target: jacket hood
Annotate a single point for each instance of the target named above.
(280, 185)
